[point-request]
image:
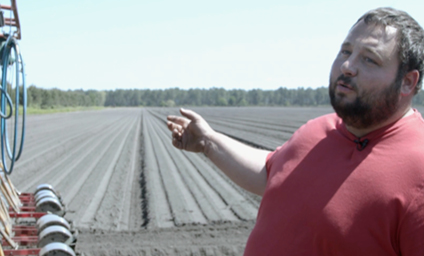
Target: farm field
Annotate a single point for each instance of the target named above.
(129, 192)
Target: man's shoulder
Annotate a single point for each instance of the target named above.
(317, 128)
(327, 117)
(417, 118)
(412, 125)
(324, 122)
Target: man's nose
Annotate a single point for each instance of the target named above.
(349, 67)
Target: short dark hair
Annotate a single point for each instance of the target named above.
(410, 38)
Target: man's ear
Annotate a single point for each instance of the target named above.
(409, 82)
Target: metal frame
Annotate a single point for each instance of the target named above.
(13, 22)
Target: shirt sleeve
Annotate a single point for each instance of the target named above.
(270, 161)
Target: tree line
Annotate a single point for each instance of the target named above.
(55, 98)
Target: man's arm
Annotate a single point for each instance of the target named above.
(243, 164)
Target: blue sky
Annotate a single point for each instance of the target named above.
(105, 45)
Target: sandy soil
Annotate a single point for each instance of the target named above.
(129, 192)
(212, 239)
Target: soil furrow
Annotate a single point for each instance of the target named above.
(134, 165)
(50, 154)
(109, 211)
(72, 186)
(159, 213)
(213, 208)
(91, 209)
(48, 174)
(58, 170)
(242, 207)
(183, 206)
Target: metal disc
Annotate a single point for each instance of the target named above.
(53, 234)
(56, 249)
(51, 220)
(44, 187)
(44, 193)
(49, 204)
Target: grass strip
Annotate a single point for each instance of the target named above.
(40, 111)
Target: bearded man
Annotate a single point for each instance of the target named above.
(349, 183)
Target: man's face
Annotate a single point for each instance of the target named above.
(364, 87)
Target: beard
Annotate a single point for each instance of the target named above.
(370, 107)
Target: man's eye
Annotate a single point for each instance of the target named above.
(369, 60)
(345, 52)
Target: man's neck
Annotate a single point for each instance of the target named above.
(362, 132)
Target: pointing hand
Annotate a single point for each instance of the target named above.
(189, 132)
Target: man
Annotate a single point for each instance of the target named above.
(350, 183)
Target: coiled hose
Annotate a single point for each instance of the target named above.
(13, 68)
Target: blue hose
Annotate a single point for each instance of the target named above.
(9, 102)
(9, 47)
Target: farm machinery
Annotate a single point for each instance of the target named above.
(33, 223)
(30, 223)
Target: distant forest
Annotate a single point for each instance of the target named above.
(55, 98)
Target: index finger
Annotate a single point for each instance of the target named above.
(182, 121)
(190, 114)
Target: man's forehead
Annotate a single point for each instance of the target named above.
(374, 33)
(378, 39)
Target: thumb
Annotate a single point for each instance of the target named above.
(193, 116)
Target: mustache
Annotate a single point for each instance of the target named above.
(346, 80)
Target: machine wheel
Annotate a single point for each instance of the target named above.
(56, 249)
(43, 194)
(51, 220)
(45, 186)
(53, 234)
(49, 204)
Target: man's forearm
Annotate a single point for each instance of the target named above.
(243, 164)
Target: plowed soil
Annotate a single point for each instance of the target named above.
(129, 192)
